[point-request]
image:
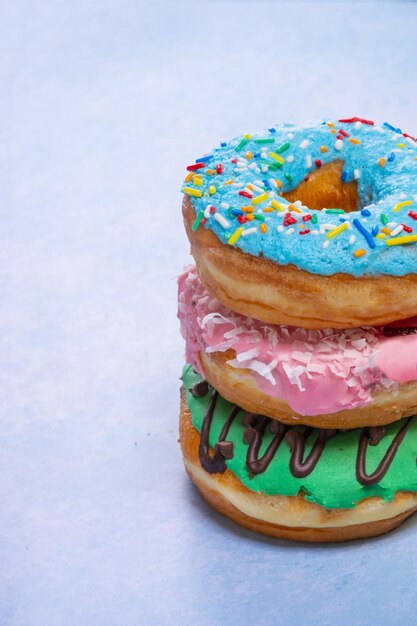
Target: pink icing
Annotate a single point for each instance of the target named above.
(315, 371)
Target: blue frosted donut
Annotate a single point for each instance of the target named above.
(236, 192)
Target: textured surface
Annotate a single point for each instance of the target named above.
(102, 106)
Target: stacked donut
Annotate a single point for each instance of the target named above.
(300, 321)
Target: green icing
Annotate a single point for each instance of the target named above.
(332, 484)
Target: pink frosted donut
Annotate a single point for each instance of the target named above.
(329, 378)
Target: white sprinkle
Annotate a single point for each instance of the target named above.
(356, 174)
(338, 144)
(224, 205)
(280, 228)
(397, 230)
(352, 239)
(326, 243)
(222, 220)
(302, 357)
(264, 168)
(304, 144)
(357, 125)
(315, 232)
(391, 225)
(290, 158)
(410, 141)
(207, 211)
(289, 231)
(254, 167)
(258, 189)
(290, 135)
(246, 356)
(403, 196)
(250, 231)
(309, 161)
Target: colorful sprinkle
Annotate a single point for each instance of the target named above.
(401, 240)
(364, 232)
(232, 240)
(198, 219)
(193, 192)
(358, 253)
(400, 205)
(337, 231)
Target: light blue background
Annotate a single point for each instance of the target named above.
(102, 106)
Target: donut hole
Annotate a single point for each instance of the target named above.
(324, 189)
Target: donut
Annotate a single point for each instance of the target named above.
(296, 482)
(323, 378)
(312, 226)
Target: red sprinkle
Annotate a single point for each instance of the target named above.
(306, 218)
(219, 168)
(306, 178)
(350, 120)
(212, 209)
(195, 167)
(233, 160)
(289, 219)
(242, 219)
(339, 136)
(245, 194)
(343, 132)
(203, 221)
(304, 232)
(317, 162)
(407, 228)
(413, 215)
(409, 136)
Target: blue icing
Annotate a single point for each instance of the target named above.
(380, 189)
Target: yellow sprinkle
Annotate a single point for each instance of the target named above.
(397, 241)
(250, 217)
(249, 155)
(279, 182)
(277, 157)
(193, 192)
(229, 182)
(263, 228)
(247, 209)
(198, 180)
(380, 236)
(401, 204)
(415, 158)
(277, 205)
(386, 231)
(249, 186)
(268, 209)
(212, 190)
(261, 198)
(355, 141)
(235, 236)
(323, 149)
(401, 145)
(330, 124)
(332, 130)
(359, 253)
(382, 161)
(294, 208)
(337, 230)
(247, 136)
(189, 177)
(210, 172)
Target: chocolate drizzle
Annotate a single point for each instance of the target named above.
(297, 441)
(216, 464)
(253, 437)
(373, 436)
(255, 429)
